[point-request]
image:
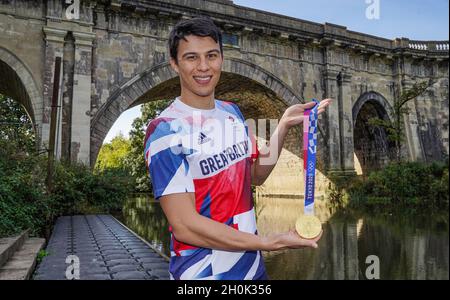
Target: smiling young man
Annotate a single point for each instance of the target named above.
(202, 161)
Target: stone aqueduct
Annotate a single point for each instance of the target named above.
(115, 57)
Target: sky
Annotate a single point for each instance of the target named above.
(413, 19)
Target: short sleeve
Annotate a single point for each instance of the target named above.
(166, 162)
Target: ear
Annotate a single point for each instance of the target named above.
(174, 65)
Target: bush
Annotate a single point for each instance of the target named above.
(25, 201)
(413, 186)
(76, 187)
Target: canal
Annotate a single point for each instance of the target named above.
(352, 246)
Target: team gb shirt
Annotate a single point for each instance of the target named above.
(209, 153)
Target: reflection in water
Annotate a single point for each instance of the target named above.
(145, 217)
(407, 249)
(410, 249)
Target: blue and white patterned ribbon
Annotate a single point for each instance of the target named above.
(309, 155)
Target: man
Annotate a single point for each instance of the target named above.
(202, 161)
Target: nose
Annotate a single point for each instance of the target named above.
(203, 64)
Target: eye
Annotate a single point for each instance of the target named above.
(212, 55)
(191, 57)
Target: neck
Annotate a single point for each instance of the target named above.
(200, 102)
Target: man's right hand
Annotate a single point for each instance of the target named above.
(289, 240)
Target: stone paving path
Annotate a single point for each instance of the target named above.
(105, 248)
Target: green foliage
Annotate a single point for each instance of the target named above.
(114, 154)
(21, 187)
(135, 160)
(25, 201)
(41, 254)
(412, 186)
(16, 129)
(77, 188)
(127, 156)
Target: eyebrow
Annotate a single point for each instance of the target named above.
(195, 53)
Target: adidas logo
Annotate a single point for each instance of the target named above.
(202, 138)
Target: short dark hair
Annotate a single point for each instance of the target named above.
(199, 26)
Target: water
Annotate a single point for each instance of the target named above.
(406, 248)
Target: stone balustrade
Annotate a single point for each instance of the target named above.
(427, 45)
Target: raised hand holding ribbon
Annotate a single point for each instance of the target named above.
(309, 226)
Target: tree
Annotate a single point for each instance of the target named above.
(112, 155)
(395, 129)
(135, 160)
(16, 129)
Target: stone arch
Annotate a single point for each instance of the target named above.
(21, 86)
(264, 77)
(128, 94)
(372, 148)
(383, 107)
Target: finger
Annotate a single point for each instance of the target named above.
(324, 103)
(311, 244)
(309, 105)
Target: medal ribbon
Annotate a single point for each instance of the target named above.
(309, 155)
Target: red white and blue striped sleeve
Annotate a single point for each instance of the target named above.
(166, 159)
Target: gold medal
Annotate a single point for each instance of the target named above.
(308, 226)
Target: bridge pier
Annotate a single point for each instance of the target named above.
(54, 47)
(346, 126)
(340, 124)
(77, 133)
(414, 143)
(333, 142)
(81, 103)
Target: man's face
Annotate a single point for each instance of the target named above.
(199, 66)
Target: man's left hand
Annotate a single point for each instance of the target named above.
(294, 114)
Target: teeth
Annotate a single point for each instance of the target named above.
(203, 79)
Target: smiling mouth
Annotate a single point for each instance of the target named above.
(203, 80)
